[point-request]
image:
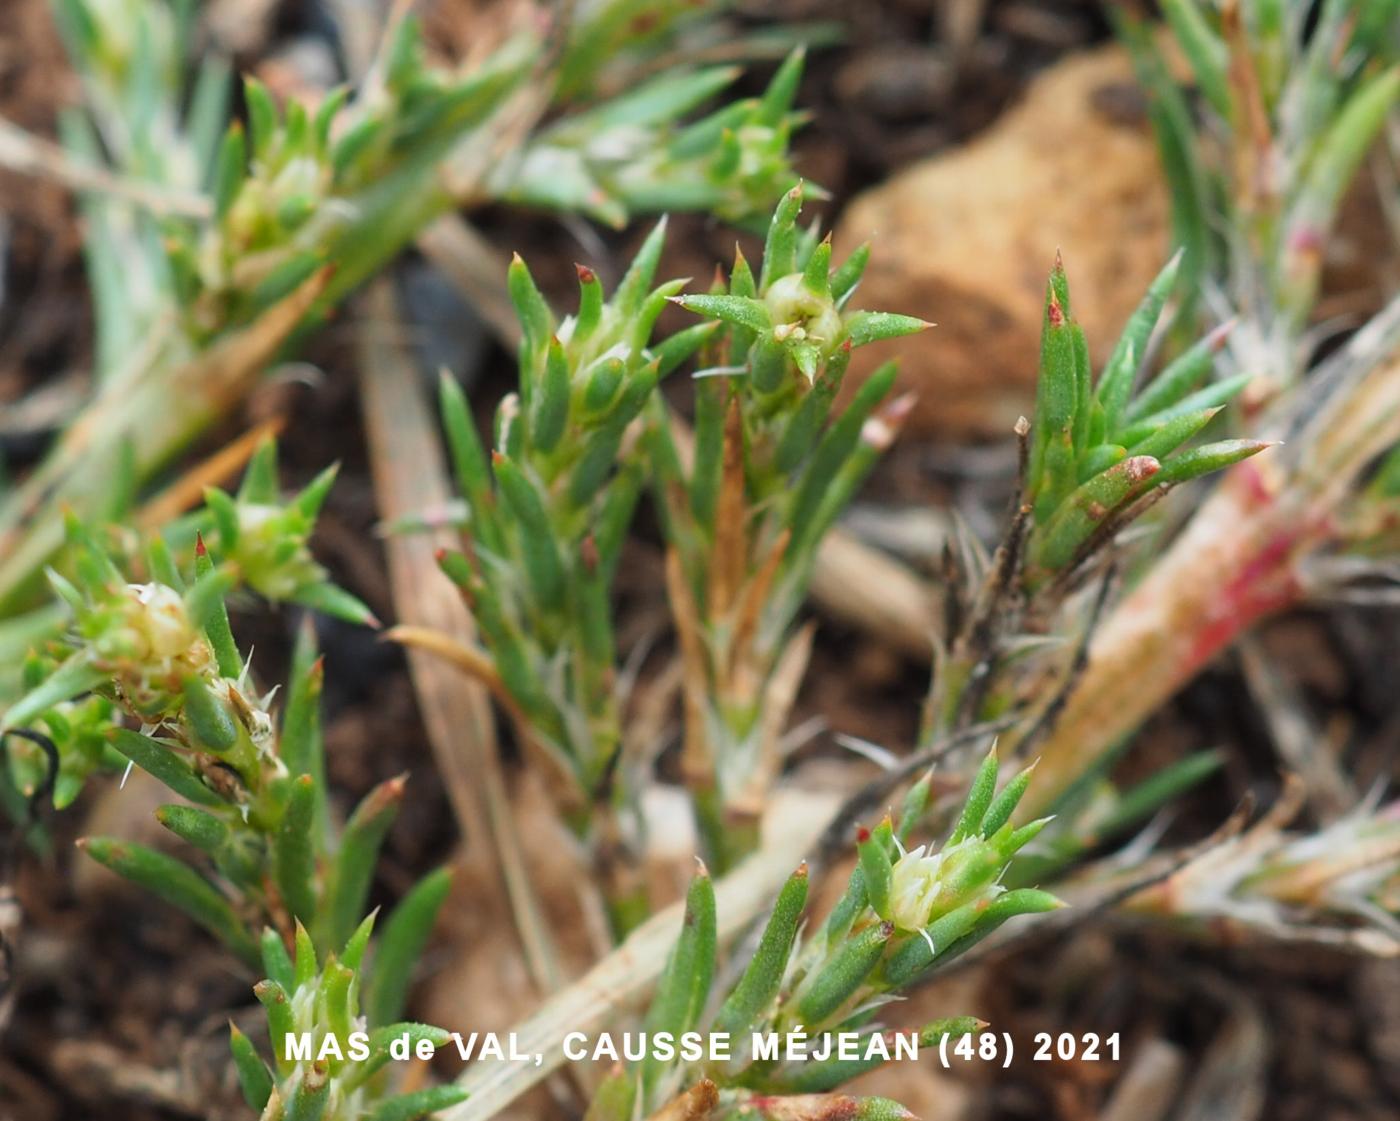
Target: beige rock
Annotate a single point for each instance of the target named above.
(966, 239)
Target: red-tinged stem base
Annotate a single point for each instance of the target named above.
(1236, 563)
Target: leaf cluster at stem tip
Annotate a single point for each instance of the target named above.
(1098, 446)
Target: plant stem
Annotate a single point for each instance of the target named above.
(1238, 561)
(138, 415)
(1234, 565)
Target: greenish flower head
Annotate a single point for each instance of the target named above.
(919, 881)
(329, 1061)
(548, 510)
(803, 316)
(142, 635)
(621, 157)
(904, 915)
(937, 898)
(149, 637)
(775, 462)
(272, 551)
(138, 643)
(254, 812)
(780, 358)
(792, 317)
(267, 541)
(153, 641)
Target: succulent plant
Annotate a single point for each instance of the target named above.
(546, 518)
(905, 913)
(1099, 445)
(244, 231)
(213, 243)
(330, 1060)
(1259, 145)
(775, 461)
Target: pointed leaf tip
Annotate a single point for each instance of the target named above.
(1217, 338)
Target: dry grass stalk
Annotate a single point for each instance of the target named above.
(406, 461)
(187, 491)
(628, 973)
(27, 154)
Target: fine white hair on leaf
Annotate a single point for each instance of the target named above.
(880, 756)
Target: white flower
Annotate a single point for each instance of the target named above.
(164, 624)
(914, 887)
